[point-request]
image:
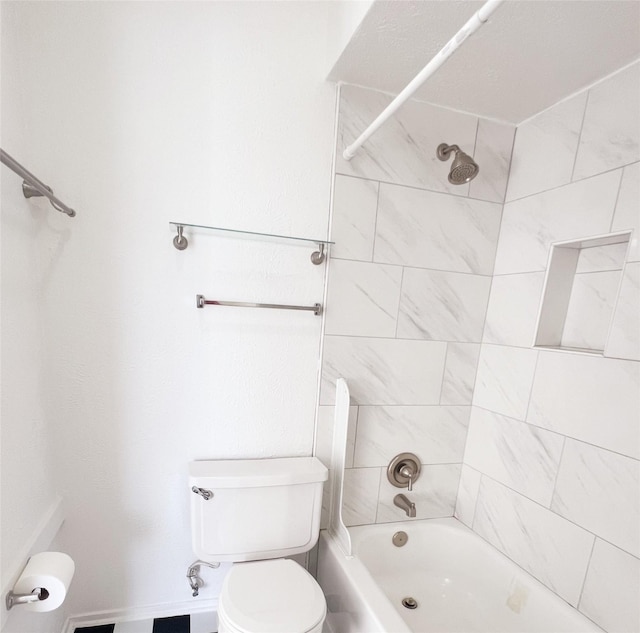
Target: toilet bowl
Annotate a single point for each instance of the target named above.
(270, 596)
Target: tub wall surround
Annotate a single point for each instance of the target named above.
(551, 471)
(408, 289)
(433, 298)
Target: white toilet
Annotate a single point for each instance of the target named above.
(260, 510)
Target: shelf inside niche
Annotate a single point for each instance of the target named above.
(580, 292)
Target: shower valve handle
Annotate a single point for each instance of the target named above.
(408, 472)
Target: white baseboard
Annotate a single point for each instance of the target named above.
(149, 612)
(39, 541)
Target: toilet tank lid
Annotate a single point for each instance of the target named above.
(249, 473)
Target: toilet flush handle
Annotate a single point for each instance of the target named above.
(203, 492)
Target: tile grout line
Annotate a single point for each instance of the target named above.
(421, 463)
(505, 202)
(577, 151)
(542, 428)
(586, 573)
(404, 338)
(559, 516)
(599, 272)
(375, 222)
(511, 155)
(436, 270)
(477, 500)
(555, 483)
(393, 183)
(615, 204)
(444, 371)
(355, 437)
(375, 518)
(493, 275)
(475, 151)
(395, 336)
(567, 184)
(533, 382)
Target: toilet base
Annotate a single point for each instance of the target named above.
(225, 627)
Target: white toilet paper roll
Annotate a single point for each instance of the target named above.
(50, 571)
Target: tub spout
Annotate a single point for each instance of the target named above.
(408, 506)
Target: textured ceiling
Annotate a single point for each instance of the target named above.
(530, 55)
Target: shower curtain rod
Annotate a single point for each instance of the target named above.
(471, 26)
(33, 186)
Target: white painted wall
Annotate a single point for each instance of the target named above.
(138, 114)
(28, 494)
(344, 20)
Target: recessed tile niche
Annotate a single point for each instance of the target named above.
(580, 292)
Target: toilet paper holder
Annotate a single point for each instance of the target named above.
(12, 599)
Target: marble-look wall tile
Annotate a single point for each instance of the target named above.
(363, 299)
(459, 373)
(434, 494)
(589, 398)
(442, 306)
(431, 230)
(493, 154)
(611, 589)
(548, 546)
(324, 435)
(598, 490)
(504, 380)
(360, 495)
(523, 457)
(383, 371)
(530, 225)
(627, 215)
(593, 296)
(600, 258)
(611, 131)
(467, 495)
(353, 225)
(545, 149)
(402, 151)
(624, 337)
(513, 309)
(435, 434)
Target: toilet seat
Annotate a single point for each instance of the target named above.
(271, 596)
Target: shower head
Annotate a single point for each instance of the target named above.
(463, 168)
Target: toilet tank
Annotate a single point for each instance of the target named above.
(260, 508)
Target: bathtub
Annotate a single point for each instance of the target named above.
(460, 583)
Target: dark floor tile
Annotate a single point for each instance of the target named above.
(103, 628)
(177, 624)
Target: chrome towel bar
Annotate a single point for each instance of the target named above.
(201, 302)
